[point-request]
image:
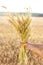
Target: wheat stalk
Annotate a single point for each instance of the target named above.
(23, 27)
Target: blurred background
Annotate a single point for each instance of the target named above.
(19, 6)
(9, 39)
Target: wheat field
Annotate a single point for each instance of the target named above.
(9, 41)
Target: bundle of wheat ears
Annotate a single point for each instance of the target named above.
(22, 26)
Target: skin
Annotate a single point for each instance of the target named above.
(39, 46)
(35, 48)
